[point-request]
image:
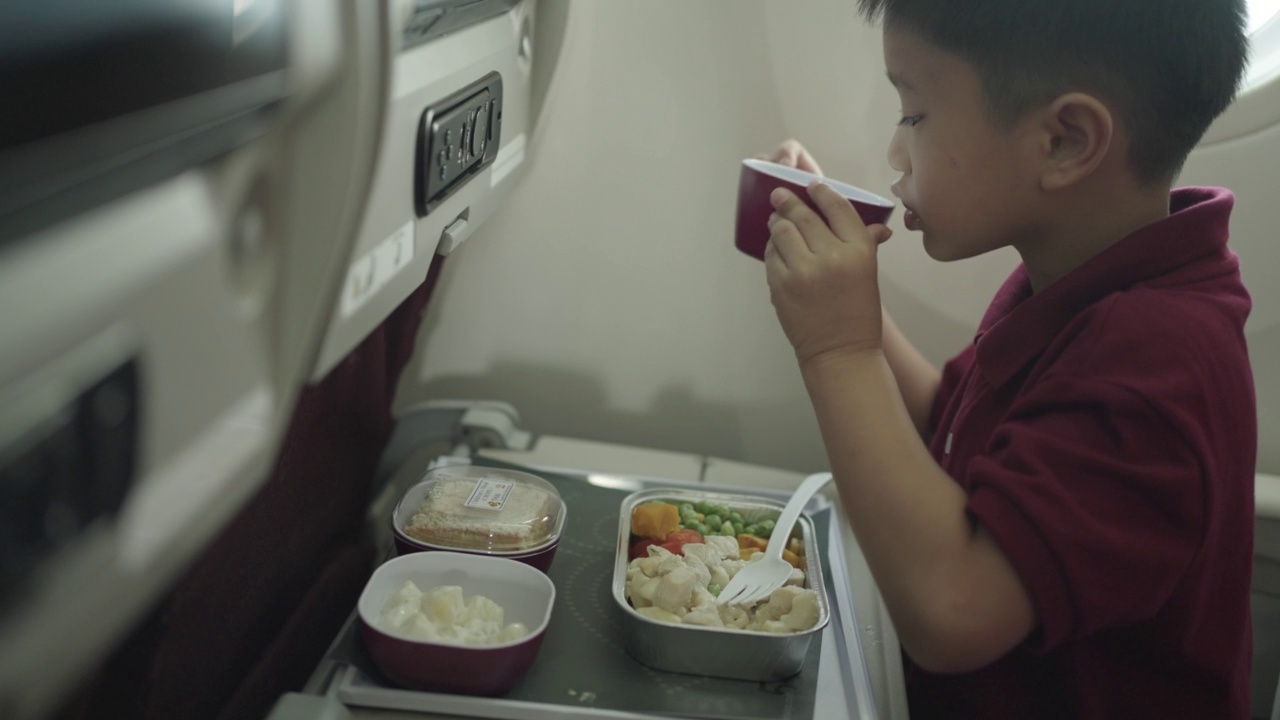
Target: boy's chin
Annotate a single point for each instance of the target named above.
(943, 251)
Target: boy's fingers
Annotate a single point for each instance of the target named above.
(841, 217)
(786, 242)
(807, 224)
(880, 233)
(792, 154)
(805, 161)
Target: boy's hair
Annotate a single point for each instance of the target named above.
(1166, 67)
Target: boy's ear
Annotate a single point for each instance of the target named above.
(1077, 134)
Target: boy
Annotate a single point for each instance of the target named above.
(1073, 537)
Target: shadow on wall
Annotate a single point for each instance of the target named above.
(553, 401)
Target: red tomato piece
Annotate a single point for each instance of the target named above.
(641, 549)
(676, 541)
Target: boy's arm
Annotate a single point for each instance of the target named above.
(917, 378)
(955, 599)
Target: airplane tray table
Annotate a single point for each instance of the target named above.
(582, 669)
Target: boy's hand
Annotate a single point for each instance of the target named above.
(822, 274)
(792, 154)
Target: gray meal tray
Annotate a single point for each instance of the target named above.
(582, 670)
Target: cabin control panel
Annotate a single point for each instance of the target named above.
(457, 138)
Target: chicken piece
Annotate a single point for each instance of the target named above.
(702, 598)
(669, 563)
(779, 603)
(641, 594)
(731, 567)
(804, 612)
(706, 616)
(702, 575)
(770, 626)
(675, 590)
(719, 577)
(658, 551)
(707, 554)
(656, 613)
(734, 616)
(648, 565)
(723, 545)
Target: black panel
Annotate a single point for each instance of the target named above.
(457, 138)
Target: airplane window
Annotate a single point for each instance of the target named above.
(1260, 12)
(1264, 38)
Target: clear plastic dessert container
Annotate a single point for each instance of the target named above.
(481, 511)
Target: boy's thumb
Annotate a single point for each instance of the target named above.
(880, 233)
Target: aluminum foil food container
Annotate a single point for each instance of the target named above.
(718, 652)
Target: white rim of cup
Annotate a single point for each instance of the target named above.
(803, 178)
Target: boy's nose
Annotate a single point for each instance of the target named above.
(899, 160)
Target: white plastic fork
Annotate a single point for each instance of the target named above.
(760, 578)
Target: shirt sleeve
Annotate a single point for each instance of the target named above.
(1096, 500)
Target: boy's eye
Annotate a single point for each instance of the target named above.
(910, 120)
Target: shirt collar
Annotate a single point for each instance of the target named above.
(1019, 325)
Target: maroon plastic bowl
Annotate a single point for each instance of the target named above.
(757, 180)
(525, 595)
(474, 482)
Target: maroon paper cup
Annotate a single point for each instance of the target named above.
(757, 180)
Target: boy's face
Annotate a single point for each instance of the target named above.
(965, 181)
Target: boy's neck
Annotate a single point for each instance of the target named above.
(1088, 221)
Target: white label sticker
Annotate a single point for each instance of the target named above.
(490, 494)
(371, 271)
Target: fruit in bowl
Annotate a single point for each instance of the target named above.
(454, 622)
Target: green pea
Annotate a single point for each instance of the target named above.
(713, 520)
(714, 589)
(726, 528)
(735, 517)
(738, 528)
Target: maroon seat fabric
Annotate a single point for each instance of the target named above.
(252, 617)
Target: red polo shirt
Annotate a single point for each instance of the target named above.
(1105, 432)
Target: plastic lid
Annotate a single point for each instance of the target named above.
(468, 507)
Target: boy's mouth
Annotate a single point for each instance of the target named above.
(910, 219)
